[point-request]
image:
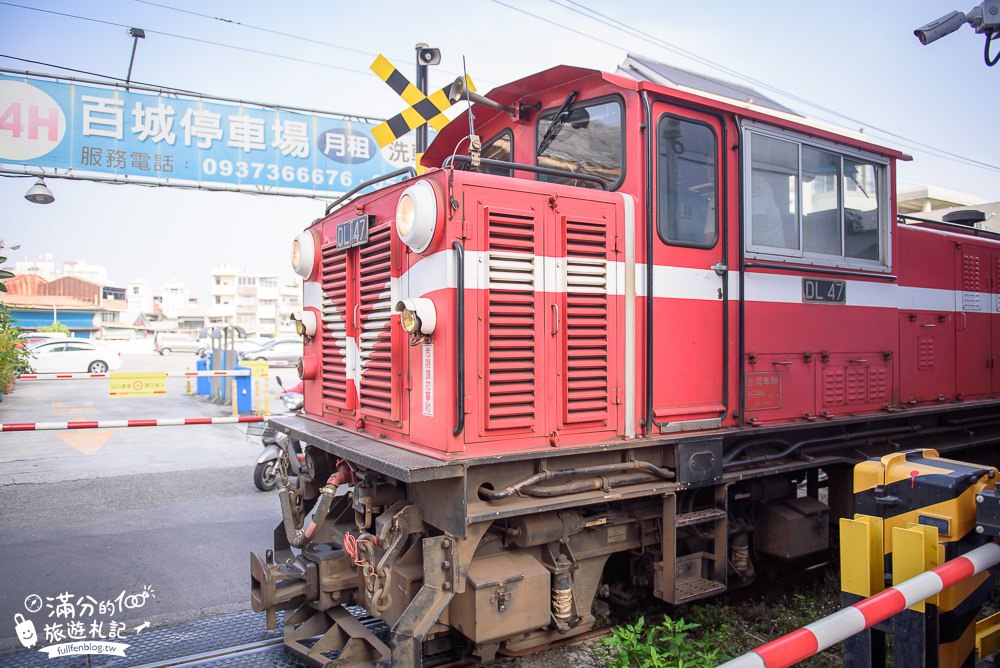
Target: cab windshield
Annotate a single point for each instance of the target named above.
(586, 138)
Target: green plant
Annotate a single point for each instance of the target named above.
(14, 358)
(55, 327)
(666, 645)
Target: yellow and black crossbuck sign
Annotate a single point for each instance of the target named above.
(422, 109)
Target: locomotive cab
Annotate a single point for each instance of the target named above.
(591, 193)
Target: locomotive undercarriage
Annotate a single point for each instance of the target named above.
(510, 553)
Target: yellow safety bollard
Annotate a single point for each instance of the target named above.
(862, 568)
(232, 391)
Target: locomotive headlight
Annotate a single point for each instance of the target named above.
(417, 316)
(305, 322)
(304, 254)
(410, 321)
(416, 216)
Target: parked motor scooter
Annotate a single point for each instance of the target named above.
(265, 473)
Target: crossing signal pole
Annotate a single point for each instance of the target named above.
(425, 56)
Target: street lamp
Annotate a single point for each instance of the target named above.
(136, 34)
(39, 193)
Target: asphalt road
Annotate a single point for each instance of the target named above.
(97, 512)
(170, 510)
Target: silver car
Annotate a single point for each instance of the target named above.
(279, 352)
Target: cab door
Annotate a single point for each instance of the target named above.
(688, 274)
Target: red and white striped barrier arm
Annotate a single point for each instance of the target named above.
(177, 374)
(113, 424)
(823, 633)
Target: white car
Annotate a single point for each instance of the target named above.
(74, 356)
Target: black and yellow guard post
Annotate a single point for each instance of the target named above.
(927, 505)
(862, 569)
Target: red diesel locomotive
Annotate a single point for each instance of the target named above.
(631, 347)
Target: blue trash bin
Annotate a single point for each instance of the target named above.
(244, 398)
(204, 384)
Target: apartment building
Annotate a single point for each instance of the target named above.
(257, 302)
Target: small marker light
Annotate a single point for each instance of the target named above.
(418, 318)
(410, 321)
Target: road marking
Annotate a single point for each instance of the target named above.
(86, 442)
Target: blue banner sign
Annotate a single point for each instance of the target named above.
(94, 132)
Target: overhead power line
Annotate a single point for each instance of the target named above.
(607, 20)
(272, 31)
(576, 8)
(594, 15)
(195, 39)
(140, 85)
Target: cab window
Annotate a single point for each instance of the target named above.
(687, 183)
(814, 201)
(586, 138)
(500, 147)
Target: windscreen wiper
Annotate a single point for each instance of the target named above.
(557, 122)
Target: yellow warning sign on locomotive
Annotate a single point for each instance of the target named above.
(132, 384)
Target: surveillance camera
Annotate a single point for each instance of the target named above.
(428, 56)
(945, 25)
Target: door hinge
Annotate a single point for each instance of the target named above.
(616, 396)
(615, 248)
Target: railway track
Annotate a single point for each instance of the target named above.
(247, 647)
(215, 656)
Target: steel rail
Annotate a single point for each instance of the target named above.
(215, 654)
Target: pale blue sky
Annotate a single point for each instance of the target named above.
(856, 58)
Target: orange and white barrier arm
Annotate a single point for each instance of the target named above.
(175, 374)
(823, 633)
(113, 424)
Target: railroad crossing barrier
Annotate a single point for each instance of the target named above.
(114, 424)
(165, 374)
(919, 516)
(828, 631)
(246, 396)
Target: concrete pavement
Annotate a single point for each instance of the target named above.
(97, 512)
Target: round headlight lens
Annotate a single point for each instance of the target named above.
(409, 320)
(404, 216)
(304, 254)
(417, 216)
